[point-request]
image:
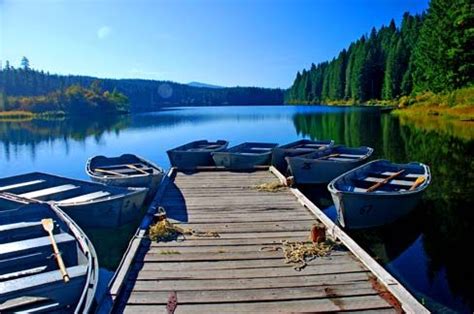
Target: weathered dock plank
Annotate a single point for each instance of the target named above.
(243, 270)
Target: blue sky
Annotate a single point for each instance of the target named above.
(224, 42)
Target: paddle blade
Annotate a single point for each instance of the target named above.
(417, 183)
(48, 224)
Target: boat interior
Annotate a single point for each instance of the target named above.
(253, 148)
(340, 153)
(364, 178)
(123, 166)
(202, 146)
(29, 273)
(64, 191)
(307, 145)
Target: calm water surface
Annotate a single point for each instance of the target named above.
(425, 251)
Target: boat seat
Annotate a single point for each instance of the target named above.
(125, 170)
(392, 182)
(21, 286)
(408, 175)
(351, 156)
(112, 167)
(19, 225)
(84, 198)
(340, 159)
(42, 307)
(49, 191)
(19, 185)
(21, 230)
(25, 246)
(356, 189)
(311, 145)
(261, 148)
(23, 273)
(13, 304)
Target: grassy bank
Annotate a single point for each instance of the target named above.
(456, 105)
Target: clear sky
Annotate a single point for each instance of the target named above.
(223, 42)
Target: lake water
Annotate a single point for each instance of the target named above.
(425, 251)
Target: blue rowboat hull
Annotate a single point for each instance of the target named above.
(195, 154)
(297, 148)
(132, 177)
(308, 169)
(30, 278)
(357, 208)
(245, 156)
(111, 213)
(89, 204)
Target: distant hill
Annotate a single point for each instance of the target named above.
(144, 95)
(203, 85)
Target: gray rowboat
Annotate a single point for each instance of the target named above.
(323, 166)
(30, 280)
(245, 156)
(195, 154)
(359, 208)
(297, 148)
(126, 170)
(89, 204)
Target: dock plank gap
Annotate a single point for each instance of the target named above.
(232, 273)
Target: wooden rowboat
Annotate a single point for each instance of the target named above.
(297, 148)
(378, 193)
(89, 204)
(30, 278)
(245, 156)
(323, 166)
(195, 154)
(126, 170)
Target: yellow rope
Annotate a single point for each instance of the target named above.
(270, 187)
(299, 253)
(164, 230)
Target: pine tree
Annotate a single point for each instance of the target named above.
(25, 64)
(444, 56)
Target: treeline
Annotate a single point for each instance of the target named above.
(144, 95)
(74, 100)
(428, 52)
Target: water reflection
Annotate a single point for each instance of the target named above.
(425, 251)
(442, 223)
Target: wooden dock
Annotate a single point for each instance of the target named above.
(231, 273)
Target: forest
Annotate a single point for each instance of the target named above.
(75, 99)
(428, 52)
(30, 85)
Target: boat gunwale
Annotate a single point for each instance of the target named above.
(427, 174)
(91, 255)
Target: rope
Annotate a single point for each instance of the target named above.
(299, 253)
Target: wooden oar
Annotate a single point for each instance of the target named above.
(109, 172)
(328, 156)
(48, 226)
(385, 181)
(137, 169)
(417, 183)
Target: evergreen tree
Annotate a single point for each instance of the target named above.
(25, 64)
(444, 55)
